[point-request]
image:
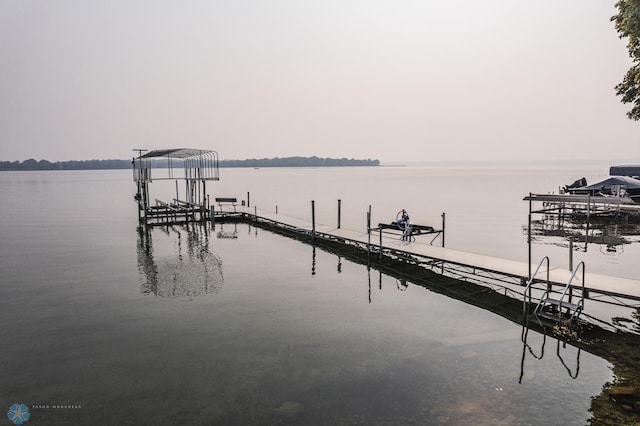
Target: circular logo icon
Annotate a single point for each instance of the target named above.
(18, 413)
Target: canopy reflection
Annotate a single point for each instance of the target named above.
(186, 270)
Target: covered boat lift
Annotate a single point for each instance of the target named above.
(614, 186)
(195, 167)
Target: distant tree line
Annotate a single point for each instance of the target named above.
(32, 164)
(298, 162)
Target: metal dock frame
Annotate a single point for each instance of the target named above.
(194, 167)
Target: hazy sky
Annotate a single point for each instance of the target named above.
(395, 80)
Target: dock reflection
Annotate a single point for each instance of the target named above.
(616, 342)
(229, 234)
(180, 265)
(539, 354)
(609, 236)
(534, 344)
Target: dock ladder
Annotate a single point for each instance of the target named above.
(550, 307)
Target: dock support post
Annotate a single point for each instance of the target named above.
(212, 216)
(529, 235)
(369, 230)
(443, 227)
(313, 219)
(380, 245)
(276, 209)
(586, 234)
(571, 254)
(204, 206)
(339, 204)
(248, 204)
(139, 199)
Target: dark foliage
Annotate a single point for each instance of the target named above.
(627, 22)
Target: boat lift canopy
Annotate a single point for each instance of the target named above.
(182, 163)
(180, 153)
(631, 171)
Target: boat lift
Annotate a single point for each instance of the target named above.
(195, 167)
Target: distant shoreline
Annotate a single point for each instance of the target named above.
(31, 164)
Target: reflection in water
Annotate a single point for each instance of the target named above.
(535, 350)
(402, 284)
(610, 235)
(222, 233)
(369, 280)
(573, 375)
(538, 356)
(628, 324)
(539, 376)
(187, 272)
(635, 315)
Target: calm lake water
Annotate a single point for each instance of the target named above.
(105, 326)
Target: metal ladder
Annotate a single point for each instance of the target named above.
(560, 344)
(559, 310)
(562, 310)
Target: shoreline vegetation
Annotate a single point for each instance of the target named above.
(32, 164)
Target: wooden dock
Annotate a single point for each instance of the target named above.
(459, 264)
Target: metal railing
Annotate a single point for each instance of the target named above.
(568, 286)
(532, 280)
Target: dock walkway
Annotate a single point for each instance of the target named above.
(456, 263)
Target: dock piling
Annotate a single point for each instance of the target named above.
(339, 204)
(529, 233)
(369, 230)
(586, 234)
(571, 254)
(313, 218)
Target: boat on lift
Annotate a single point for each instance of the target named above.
(624, 181)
